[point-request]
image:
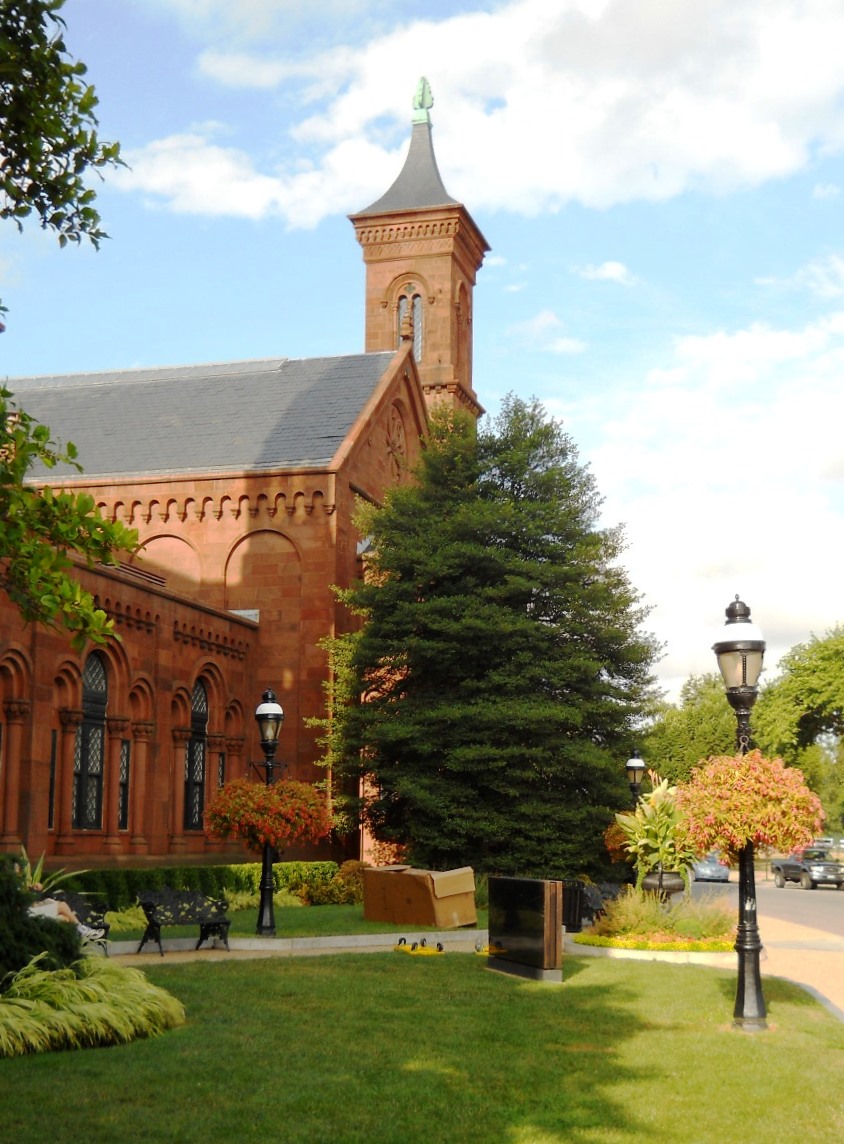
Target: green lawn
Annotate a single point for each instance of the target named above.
(385, 1048)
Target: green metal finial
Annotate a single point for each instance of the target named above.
(423, 101)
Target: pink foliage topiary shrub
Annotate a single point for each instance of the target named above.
(731, 800)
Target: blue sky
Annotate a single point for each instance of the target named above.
(662, 188)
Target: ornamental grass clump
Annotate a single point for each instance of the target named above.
(283, 812)
(731, 800)
(639, 920)
(94, 1002)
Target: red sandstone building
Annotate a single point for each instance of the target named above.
(241, 479)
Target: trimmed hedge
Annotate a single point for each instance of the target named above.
(120, 887)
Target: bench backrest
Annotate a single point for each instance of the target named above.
(180, 907)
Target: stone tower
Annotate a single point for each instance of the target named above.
(422, 251)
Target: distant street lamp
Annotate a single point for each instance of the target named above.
(269, 716)
(635, 768)
(740, 653)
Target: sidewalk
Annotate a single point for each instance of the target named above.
(812, 958)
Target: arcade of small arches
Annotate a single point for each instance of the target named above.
(135, 512)
(105, 739)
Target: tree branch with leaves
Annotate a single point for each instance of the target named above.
(48, 126)
(41, 529)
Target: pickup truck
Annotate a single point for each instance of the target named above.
(811, 867)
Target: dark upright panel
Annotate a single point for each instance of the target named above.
(525, 927)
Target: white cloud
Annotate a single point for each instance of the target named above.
(541, 333)
(823, 277)
(608, 272)
(732, 485)
(192, 174)
(595, 101)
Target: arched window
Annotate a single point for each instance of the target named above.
(410, 304)
(89, 753)
(195, 758)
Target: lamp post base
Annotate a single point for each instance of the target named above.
(266, 912)
(749, 1013)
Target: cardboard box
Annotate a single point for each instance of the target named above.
(404, 896)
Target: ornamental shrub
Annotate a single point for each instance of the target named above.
(93, 1002)
(656, 834)
(344, 889)
(278, 814)
(731, 800)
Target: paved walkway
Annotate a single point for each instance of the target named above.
(810, 957)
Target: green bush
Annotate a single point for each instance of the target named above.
(345, 888)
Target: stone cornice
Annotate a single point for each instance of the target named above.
(209, 641)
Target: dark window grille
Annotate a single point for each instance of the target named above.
(89, 751)
(123, 792)
(51, 803)
(221, 769)
(195, 759)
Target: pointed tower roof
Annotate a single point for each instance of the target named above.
(419, 183)
(422, 251)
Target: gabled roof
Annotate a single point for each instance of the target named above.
(249, 416)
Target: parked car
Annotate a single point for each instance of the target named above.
(710, 869)
(811, 867)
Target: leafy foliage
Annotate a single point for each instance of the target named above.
(36, 878)
(800, 716)
(94, 1002)
(345, 888)
(41, 529)
(734, 799)
(656, 834)
(702, 725)
(501, 659)
(283, 812)
(48, 126)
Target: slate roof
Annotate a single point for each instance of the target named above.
(419, 183)
(246, 416)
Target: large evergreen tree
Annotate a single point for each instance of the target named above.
(501, 662)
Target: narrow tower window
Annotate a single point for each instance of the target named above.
(195, 758)
(89, 753)
(410, 309)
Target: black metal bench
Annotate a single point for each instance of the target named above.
(183, 908)
(91, 913)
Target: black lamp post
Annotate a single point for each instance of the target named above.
(635, 768)
(269, 716)
(740, 653)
